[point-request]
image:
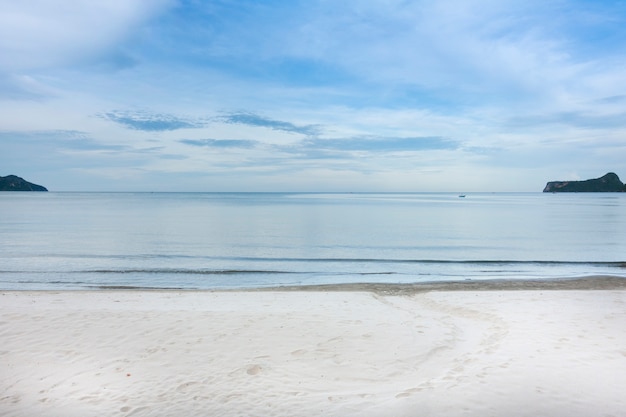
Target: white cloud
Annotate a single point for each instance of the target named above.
(504, 52)
(45, 33)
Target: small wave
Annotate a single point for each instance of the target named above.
(505, 266)
(180, 271)
(620, 264)
(132, 287)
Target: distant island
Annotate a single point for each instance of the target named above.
(609, 183)
(15, 183)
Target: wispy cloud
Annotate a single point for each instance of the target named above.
(59, 138)
(33, 135)
(580, 119)
(150, 122)
(613, 99)
(23, 87)
(220, 143)
(252, 119)
(43, 34)
(54, 150)
(383, 144)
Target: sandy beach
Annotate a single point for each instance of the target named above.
(535, 350)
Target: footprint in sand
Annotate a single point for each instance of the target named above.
(185, 386)
(254, 369)
(408, 392)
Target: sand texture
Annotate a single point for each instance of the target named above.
(313, 353)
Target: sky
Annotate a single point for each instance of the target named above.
(312, 95)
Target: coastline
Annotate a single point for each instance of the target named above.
(591, 282)
(596, 282)
(471, 348)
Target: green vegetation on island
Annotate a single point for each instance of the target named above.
(15, 183)
(609, 183)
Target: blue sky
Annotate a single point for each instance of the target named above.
(318, 95)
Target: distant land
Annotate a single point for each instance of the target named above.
(609, 183)
(15, 183)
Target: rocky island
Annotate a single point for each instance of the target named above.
(15, 183)
(609, 183)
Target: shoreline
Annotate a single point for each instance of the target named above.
(591, 282)
(596, 282)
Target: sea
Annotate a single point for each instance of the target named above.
(72, 241)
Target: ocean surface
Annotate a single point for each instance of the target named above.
(243, 240)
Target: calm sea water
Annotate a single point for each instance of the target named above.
(233, 240)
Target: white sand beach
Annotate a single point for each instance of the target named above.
(536, 352)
